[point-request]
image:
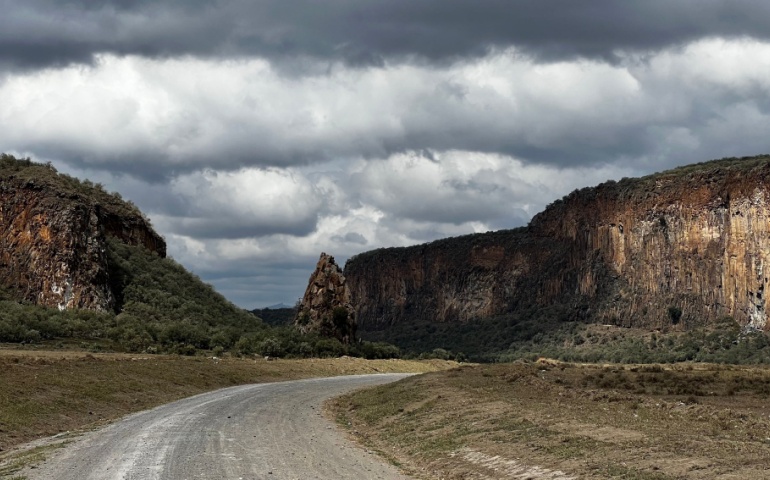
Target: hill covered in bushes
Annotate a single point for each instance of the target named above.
(113, 288)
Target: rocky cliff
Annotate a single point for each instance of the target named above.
(326, 306)
(53, 233)
(684, 247)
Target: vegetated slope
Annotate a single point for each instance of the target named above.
(160, 307)
(53, 234)
(81, 263)
(678, 250)
(276, 317)
(161, 302)
(81, 266)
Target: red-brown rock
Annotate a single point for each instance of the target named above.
(326, 307)
(694, 241)
(53, 233)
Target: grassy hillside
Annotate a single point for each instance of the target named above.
(161, 303)
(276, 316)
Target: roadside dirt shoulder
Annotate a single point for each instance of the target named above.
(561, 421)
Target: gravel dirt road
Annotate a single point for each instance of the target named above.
(265, 431)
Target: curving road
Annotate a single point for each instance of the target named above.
(264, 431)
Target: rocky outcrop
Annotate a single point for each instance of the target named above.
(684, 247)
(326, 307)
(53, 232)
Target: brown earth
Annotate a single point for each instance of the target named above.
(556, 420)
(48, 392)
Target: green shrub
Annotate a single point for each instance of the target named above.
(271, 347)
(674, 313)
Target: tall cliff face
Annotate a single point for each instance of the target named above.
(53, 232)
(683, 247)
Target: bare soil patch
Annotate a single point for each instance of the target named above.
(559, 420)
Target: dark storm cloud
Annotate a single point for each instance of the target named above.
(350, 238)
(235, 228)
(254, 135)
(52, 33)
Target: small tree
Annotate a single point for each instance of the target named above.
(674, 313)
(271, 347)
(341, 320)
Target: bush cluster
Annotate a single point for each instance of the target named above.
(724, 343)
(25, 171)
(549, 332)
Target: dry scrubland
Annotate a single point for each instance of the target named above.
(542, 420)
(49, 392)
(559, 420)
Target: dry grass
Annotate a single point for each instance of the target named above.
(555, 420)
(44, 393)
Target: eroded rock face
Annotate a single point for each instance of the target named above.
(326, 307)
(694, 240)
(53, 244)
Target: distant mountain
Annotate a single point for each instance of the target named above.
(277, 306)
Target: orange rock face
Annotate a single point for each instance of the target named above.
(694, 240)
(53, 243)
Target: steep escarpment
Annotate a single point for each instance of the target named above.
(684, 247)
(53, 236)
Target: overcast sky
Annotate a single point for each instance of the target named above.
(257, 134)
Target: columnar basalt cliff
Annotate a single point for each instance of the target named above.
(683, 247)
(326, 306)
(53, 233)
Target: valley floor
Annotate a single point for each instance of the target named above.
(559, 420)
(44, 393)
